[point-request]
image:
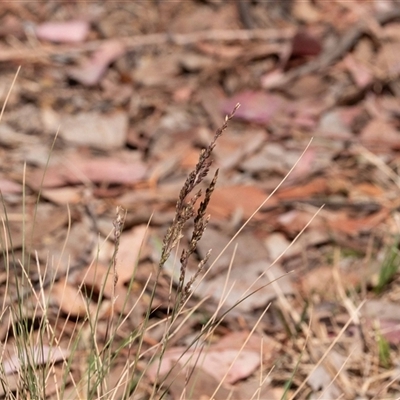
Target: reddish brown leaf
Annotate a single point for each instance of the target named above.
(367, 190)
(246, 199)
(304, 44)
(316, 186)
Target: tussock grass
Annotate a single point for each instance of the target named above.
(38, 353)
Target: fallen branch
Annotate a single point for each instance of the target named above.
(44, 52)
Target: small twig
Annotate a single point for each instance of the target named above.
(43, 53)
(334, 53)
(9, 93)
(243, 8)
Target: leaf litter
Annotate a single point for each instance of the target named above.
(135, 102)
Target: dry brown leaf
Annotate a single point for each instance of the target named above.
(306, 11)
(306, 86)
(321, 280)
(200, 384)
(321, 380)
(69, 299)
(76, 170)
(380, 136)
(391, 31)
(388, 59)
(90, 73)
(258, 278)
(97, 130)
(65, 195)
(98, 277)
(245, 198)
(132, 244)
(149, 73)
(220, 50)
(232, 149)
(337, 123)
(11, 25)
(361, 75)
(293, 221)
(276, 243)
(378, 308)
(272, 158)
(248, 249)
(316, 186)
(367, 190)
(235, 340)
(190, 158)
(204, 18)
(220, 358)
(101, 280)
(272, 79)
(38, 355)
(342, 223)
